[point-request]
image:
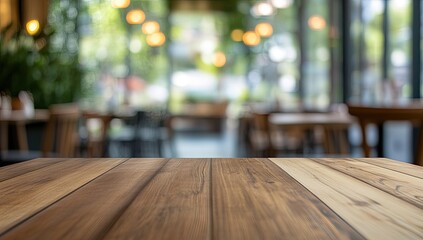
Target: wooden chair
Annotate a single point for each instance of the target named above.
(259, 135)
(59, 137)
(336, 135)
(94, 143)
(61, 131)
(267, 141)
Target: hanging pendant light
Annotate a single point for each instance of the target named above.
(251, 38)
(32, 27)
(156, 39)
(316, 22)
(120, 3)
(264, 29)
(135, 16)
(236, 35)
(150, 27)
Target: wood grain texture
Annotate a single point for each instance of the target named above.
(406, 187)
(89, 211)
(254, 199)
(373, 212)
(406, 168)
(174, 205)
(18, 169)
(25, 195)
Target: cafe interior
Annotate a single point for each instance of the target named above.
(210, 78)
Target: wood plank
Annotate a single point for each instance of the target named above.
(89, 211)
(18, 169)
(406, 168)
(174, 205)
(373, 212)
(406, 187)
(254, 199)
(25, 195)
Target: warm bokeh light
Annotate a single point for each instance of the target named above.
(251, 38)
(264, 29)
(156, 39)
(32, 27)
(262, 9)
(150, 27)
(120, 3)
(219, 59)
(316, 22)
(236, 35)
(135, 16)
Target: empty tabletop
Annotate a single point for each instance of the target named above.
(310, 119)
(245, 198)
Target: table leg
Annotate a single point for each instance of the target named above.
(343, 141)
(381, 137)
(4, 134)
(104, 146)
(22, 137)
(418, 157)
(364, 144)
(336, 140)
(330, 149)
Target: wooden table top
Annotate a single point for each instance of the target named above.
(411, 110)
(211, 199)
(40, 115)
(310, 119)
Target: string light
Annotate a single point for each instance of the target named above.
(251, 38)
(236, 35)
(219, 59)
(264, 29)
(32, 27)
(135, 16)
(150, 27)
(120, 3)
(156, 39)
(316, 22)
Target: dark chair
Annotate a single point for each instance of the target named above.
(146, 135)
(152, 133)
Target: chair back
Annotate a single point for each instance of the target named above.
(259, 134)
(261, 121)
(151, 120)
(61, 131)
(148, 132)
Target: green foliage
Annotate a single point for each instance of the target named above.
(27, 64)
(105, 48)
(18, 62)
(47, 64)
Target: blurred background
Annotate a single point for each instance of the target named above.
(184, 78)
